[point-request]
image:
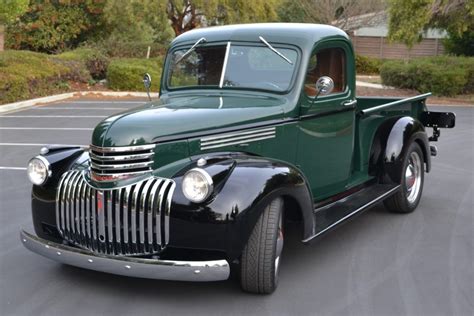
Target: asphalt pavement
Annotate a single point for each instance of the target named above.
(378, 264)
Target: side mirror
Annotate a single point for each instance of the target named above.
(147, 84)
(324, 85)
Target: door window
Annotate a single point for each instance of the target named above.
(326, 62)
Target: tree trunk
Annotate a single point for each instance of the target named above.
(2, 37)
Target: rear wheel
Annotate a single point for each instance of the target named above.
(412, 178)
(260, 264)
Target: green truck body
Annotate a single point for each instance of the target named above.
(255, 125)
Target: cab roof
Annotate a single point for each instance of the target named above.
(299, 34)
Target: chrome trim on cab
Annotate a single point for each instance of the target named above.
(237, 138)
(118, 221)
(197, 271)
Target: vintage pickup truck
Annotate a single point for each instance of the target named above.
(256, 125)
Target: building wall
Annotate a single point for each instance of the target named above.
(380, 47)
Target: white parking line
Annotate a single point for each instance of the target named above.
(39, 144)
(53, 116)
(101, 102)
(48, 128)
(12, 168)
(75, 108)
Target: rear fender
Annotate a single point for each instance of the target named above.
(391, 143)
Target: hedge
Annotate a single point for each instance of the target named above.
(95, 60)
(25, 75)
(127, 73)
(367, 65)
(442, 75)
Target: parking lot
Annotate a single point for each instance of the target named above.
(378, 264)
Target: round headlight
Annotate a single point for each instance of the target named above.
(39, 170)
(197, 185)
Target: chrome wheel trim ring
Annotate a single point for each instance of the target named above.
(279, 245)
(413, 177)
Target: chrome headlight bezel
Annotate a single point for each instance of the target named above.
(47, 170)
(206, 179)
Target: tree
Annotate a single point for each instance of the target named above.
(185, 15)
(137, 21)
(55, 25)
(409, 18)
(9, 11)
(335, 12)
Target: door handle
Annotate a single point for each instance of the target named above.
(349, 103)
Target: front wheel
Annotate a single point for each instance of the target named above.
(260, 262)
(406, 200)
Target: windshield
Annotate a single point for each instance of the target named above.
(232, 66)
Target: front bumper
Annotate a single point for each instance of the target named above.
(198, 271)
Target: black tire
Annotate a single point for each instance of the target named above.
(259, 267)
(408, 197)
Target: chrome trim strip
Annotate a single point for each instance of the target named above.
(58, 201)
(213, 270)
(214, 137)
(118, 211)
(118, 175)
(110, 225)
(122, 158)
(243, 138)
(156, 210)
(149, 213)
(122, 148)
(88, 211)
(236, 138)
(161, 216)
(143, 199)
(126, 209)
(224, 67)
(122, 166)
(94, 218)
(133, 212)
(237, 142)
(167, 212)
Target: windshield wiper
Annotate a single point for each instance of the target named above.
(275, 51)
(189, 51)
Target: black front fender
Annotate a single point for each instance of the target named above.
(243, 188)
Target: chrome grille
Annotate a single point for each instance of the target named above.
(131, 220)
(111, 163)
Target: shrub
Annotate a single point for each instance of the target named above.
(25, 75)
(442, 75)
(95, 60)
(367, 65)
(127, 73)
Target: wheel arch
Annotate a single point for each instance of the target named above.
(390, 143)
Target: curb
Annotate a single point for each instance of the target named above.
(58, 97)
(372, 85)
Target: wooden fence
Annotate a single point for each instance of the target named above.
(380, 47)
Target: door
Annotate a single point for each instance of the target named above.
(326, 126)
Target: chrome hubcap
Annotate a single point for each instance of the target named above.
(279, 245)
(413, 177)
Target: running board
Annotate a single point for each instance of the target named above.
(329, 216)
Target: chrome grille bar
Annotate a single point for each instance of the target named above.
(110, 163)
(132, 220)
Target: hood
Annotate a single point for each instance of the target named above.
(178, 116)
